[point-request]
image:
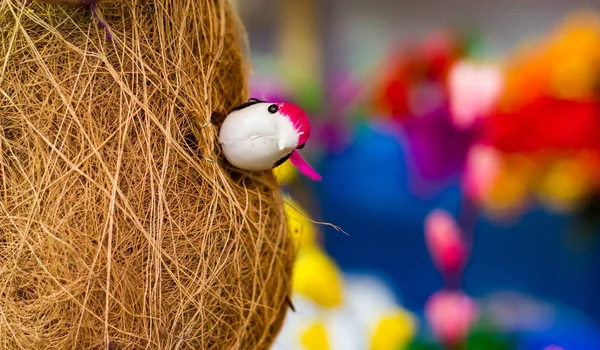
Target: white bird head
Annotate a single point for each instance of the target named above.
(259, 136)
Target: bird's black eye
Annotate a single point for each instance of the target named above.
(273, 109)
(301, 146)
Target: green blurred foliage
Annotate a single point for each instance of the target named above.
(481, 338)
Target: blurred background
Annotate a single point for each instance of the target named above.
(459, 145)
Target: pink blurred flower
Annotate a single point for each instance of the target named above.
(443, 238)
(450, 315)
(481, 169)
(474, 91)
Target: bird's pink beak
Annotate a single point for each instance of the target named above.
(304, 167)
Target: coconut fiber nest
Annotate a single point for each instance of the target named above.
(121, 226)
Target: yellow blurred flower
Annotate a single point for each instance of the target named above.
(394, 331)
(564, 184)
(299, 225)
(314, 337)
(318, 278)
(285, 173)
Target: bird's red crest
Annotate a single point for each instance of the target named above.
(298, 118)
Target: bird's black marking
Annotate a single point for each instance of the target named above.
(250, 102)
(301, 146)
(282, 160)
(273, 108)
(289, 302)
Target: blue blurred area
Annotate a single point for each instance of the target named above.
(366, 192)
(570, 332)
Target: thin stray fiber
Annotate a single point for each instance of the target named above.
(94, 7)
(115, 232)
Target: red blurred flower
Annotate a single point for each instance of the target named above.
(425, 64)
(546, 124)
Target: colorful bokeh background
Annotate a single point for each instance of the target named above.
(459, 144)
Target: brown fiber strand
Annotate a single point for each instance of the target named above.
(115, 232)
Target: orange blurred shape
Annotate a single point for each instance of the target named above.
(565, 65)
(510, 190)
(526, 79)
(575, 52)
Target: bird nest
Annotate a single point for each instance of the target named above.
(121, 227)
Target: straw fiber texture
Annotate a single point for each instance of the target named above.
(121, 226)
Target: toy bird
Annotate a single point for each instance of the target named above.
(259, 135)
